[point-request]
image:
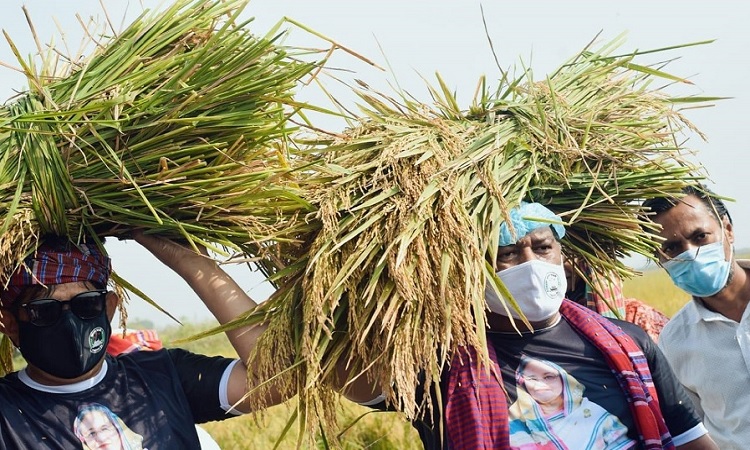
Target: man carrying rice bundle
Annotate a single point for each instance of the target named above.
(59, 297)
(57, 310)
(617, 365)
(378, 256)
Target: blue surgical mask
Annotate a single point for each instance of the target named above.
(702, 271)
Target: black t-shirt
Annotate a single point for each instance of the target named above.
(566, 349)
(149, 400)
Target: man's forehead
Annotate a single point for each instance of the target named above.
(538, 234)
(691, 202)
(689, 211)
(542, 233)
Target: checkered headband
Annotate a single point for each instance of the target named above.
(58, 261)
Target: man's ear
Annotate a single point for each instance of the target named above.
(728, 229)
(9, 325)
(112, 301)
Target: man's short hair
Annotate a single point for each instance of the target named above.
(659, 205)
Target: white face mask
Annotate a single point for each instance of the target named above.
(537, 286)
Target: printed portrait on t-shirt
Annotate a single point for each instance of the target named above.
(99, 428)
(551, 412)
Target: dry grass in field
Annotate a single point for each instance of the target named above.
(656, 288)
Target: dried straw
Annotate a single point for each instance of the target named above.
(410, 202)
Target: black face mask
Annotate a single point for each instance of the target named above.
(67, 349)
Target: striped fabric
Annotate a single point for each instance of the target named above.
(58, 261)
(476, 408)
(133, 340)
(604, 295)
(630, 367)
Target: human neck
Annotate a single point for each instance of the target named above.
(734, 298)
(497, 322)
(47, 379)
(551, 408)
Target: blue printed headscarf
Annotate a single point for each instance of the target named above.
(526, 218)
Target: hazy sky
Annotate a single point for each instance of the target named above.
(417, 38)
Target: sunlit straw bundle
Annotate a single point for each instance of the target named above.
(381, 251)
(178, 125)
(411, 199)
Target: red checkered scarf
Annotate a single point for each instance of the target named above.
(58, 261)
(630, 367)
(604, 295)
(132, 341)
(476, 409)
(477, 418)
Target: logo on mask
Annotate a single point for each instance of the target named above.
(552, 285)
(96, 340)
(69, 348)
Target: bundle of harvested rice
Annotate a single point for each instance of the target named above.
(179, 124)
(410, 203)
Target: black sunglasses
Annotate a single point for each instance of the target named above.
(45, 312)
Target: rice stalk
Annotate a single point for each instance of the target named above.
(380, 240)
(409, 204)
(179, 125)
